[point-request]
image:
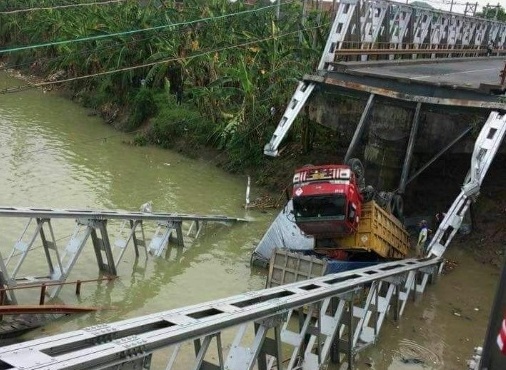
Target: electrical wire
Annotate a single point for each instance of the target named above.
(151, 64)
(132, 32)
(84, 51)
(16, 11)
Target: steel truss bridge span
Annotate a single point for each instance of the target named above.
(44, 226)
(385, 30)
(332, 323)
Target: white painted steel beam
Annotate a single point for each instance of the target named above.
(338, 31)
(41, 224)
(485, 148)
(134, 341)
(50, 213)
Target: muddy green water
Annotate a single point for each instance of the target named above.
(52, 154)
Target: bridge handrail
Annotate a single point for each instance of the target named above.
(109, 214)
(106, 344)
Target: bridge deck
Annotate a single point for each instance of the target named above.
(332, 313)
(459, 73)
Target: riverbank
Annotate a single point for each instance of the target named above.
(274, 176)
(486, 240)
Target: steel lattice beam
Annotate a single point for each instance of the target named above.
(326, 307)
(41, 225)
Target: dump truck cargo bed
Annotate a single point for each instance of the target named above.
(287, 267)
(378, 231)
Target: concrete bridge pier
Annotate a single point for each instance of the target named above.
(378, 131)
(396, 140)
(385, 145)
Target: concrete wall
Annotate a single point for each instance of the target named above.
(383, 145)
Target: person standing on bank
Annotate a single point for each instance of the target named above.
(422, 238)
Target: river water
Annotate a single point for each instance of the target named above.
(54, 155)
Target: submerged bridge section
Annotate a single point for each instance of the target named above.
(331, 324)
(41, 226)
(325, 318)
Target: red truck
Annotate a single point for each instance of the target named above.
(346, 218)
(327, 201)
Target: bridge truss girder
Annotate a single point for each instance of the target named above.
(391, 25)
(330, 317)
(95, 225)
(486, 146)
(378, 24)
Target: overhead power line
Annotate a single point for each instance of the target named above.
(131, 32)
(144, 65)
(15, 11)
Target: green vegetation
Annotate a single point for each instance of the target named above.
(196, 74)
(495, 12)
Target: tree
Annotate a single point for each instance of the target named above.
(495, 12)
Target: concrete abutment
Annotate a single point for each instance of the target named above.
(383, 145)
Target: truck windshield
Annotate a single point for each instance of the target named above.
(333, 206)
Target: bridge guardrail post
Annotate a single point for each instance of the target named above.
(502, 74)
(43, 289)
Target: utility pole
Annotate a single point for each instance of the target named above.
(471, 9)
(490, 7)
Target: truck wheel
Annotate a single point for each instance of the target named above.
(368, 193)
(357, 167)
(384, 200)
(398, 206)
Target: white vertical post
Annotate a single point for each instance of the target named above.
(247, 193)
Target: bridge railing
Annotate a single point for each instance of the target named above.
(295, 326)
(111, 233)
(352, 51)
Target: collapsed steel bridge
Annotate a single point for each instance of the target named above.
(338, 314)
(331, 325)
(128, 229)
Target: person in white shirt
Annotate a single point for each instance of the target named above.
(422, 238)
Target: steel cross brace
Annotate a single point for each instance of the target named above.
(130, 340)
(241, 357)
(487, 144)
(121, 242)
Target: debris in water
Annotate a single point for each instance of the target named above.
(412, 361)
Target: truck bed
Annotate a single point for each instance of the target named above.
(379, 232)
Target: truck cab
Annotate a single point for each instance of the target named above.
(326, 200)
